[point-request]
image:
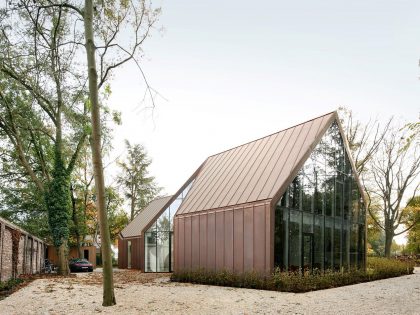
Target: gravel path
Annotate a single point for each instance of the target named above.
(159, 296)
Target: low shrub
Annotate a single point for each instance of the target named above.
(9, 285)
(252, 280)
(377, 268)
(381, 268)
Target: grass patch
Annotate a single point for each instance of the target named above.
(377, 268)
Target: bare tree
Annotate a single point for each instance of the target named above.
(387, 161)
(364, 139)
(393, 173)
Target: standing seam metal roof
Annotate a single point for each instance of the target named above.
(135, 227)
(255, 170)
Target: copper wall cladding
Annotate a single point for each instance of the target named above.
(231, 238)
(137, 253)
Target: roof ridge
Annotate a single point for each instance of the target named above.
(235, 147)
(160, 197)
(138, 219)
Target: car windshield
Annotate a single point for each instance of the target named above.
(80, 261)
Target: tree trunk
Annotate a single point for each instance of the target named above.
(76, 222)
(58, 205)
(108, 285)
(62, 253)
(388, 243)
(132, 209)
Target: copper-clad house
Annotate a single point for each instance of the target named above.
(146, 243)
(290, 200)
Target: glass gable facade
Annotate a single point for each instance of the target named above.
(320, 219)
(158, 240)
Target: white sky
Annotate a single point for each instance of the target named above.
(233, 71)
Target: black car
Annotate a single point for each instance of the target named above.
(78, 264)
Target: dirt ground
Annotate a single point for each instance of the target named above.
(138, 293)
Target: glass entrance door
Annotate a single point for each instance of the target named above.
(307, 251)
(129, 254)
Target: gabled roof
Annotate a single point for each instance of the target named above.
(256, 170)
(135, 227)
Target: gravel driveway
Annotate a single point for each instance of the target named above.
(156, 295)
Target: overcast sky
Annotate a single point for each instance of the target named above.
(233, 71)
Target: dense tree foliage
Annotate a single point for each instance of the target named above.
(413, 218)
(43, 106)
(138, 186)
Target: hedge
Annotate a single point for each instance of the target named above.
(377, 268)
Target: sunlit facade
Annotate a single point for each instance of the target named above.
(320, 219)
(290, 200)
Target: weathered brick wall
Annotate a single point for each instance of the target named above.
(28, 255)
(35, 256)
(21, 251)
(30, 252)
(6, 255)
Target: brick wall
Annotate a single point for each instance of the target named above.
(30, 252)
(21, 251)
(6, 257)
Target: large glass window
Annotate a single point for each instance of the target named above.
(278, 236)
(294, 193)
(353, 245)
(158, 240)
(319, 243)
(294, 240)
(320, 219)
(129, 254)
(337, 244)
(361, 246)
(329, 229)
(345, 245)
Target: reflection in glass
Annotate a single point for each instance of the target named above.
(318, 242)
(329, 195)
(318, 194)
(329, 228)
(337, 244)
(338, 198)
(345, 245)
(158, 245)
(353, 245)
(163, 251)
(278, 236)
(323, 204)
(150, 252)
(294, 240)
(307, 191)
(294, 193)
(354, 201)
(361, 246)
